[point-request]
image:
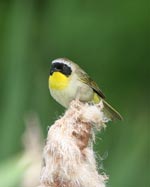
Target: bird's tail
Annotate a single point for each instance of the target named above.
(110, 112)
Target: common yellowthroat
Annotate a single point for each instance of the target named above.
(67, 81)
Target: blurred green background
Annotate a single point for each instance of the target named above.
(109, 39)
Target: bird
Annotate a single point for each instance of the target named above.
(68, 81)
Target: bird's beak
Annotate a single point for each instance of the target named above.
(54, 70)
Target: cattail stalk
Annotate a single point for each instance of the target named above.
(68, 157)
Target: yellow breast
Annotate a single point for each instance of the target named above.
(58, 81)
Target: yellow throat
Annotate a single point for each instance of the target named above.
(58, 81)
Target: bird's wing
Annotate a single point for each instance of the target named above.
(109, 111)
(84, 77)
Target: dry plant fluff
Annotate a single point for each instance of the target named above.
(69, 159)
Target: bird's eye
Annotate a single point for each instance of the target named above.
(65, 67)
